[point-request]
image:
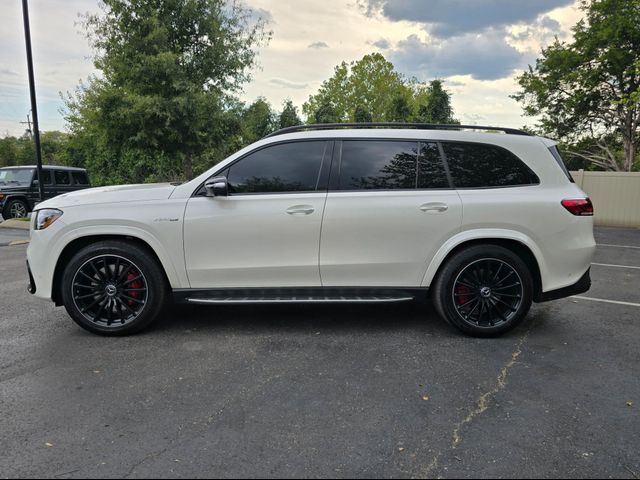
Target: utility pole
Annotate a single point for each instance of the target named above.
(32, 91)
(28, 122)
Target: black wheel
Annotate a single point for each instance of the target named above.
(114, 288)
(15, 209)
(484, 290)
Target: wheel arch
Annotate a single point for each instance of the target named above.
(79, 243)
(517, 243)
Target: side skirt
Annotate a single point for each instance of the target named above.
(235, 296)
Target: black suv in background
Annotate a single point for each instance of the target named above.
(19, 187)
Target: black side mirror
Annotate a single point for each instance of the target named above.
(217, 187)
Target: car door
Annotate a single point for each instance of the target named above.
(389, 209)
(266, 233)
(49, 189)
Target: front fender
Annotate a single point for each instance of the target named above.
(482, 234)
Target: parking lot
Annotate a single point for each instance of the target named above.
(364, 391)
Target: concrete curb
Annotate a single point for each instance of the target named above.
(16, 224)
(14, 243)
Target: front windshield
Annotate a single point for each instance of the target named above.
(16, 176)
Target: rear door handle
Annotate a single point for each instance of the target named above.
(435, 207)
(301, 210)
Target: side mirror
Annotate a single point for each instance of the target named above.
(217, 187)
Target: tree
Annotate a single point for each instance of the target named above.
(590, 87)
(437, 108)
(362, 115)
(289, 116)
(326, 113)
(399, 110)
(371, 84)
(169, 69)
(258, 121)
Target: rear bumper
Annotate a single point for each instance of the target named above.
(581, 286)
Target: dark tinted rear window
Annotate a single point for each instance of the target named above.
(80, 178)
(378, 165)
(288, 167)
(46, 174)
(62, 177)
(476, 165)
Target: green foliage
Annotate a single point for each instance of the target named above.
(21, 151)
(258, 120)
(437, 107)
(362, 115)
(164, 102)
(377, 91)
(289, 115)
(590, 87)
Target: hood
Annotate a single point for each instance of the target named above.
(114, 194)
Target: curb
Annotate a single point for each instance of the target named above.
(16, 224)
(14, 243)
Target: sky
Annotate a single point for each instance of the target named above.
(477, 46)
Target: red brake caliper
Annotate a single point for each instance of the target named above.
(133, 285)
(463, 293)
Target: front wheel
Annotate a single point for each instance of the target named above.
(484, 290)
(15, 209)
(114, 288)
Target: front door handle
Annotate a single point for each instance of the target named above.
(301, 210)
(435, 207)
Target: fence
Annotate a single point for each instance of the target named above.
(615, 195)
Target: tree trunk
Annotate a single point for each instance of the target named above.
(187, 165)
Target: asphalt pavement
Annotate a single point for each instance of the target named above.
(307, 391)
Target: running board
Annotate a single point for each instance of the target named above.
(297, 295)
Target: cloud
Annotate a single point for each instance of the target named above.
(382, 44)
(8, 71)
(257, 15)
(448, 18)
(484, 57)
(281, 82)
(318, 45)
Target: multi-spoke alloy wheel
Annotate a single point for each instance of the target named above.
(17, 209)
(487, 292)
(484, 290)
(110, 290)
(114, 287)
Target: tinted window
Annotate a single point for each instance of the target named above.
(62, 177)
(480, 166)
(431, 172)
(46, 174)
(80, 178)
(289, 167)
(16, 176)
(380, 165)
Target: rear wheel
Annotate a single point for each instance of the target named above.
(484, 290)
(15, 209)
(114, 288)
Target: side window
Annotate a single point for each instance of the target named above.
(46, 175)
(62, 177)
(378, 165)
(476, 165)
(80, 178)
(431, 171)
(288, 167)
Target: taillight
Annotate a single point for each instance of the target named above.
(581, 207)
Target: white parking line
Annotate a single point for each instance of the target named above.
(617, 246)
(615, 266)
(616, 302)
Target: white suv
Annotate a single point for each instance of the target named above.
(483, 222)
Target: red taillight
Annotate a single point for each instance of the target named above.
(581, 207)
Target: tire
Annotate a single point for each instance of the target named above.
(114, 288)
(484, 291)
(15, 209)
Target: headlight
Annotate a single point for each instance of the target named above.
(47, 217)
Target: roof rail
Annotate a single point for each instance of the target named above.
(415, 126)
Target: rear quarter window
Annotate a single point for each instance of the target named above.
(477, 165)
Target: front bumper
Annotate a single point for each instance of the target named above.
(581, 286)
